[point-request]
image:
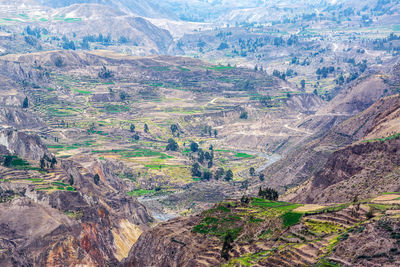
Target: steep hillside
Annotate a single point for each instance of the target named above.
(54, 211)
(142, 8)
(367, 167)
(338, 126)
(85, 26)
(257, 232)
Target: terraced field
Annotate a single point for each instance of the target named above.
(270, 233)
(128, 116)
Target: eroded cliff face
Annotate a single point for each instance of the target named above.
(367, 166)
(261, 236)
(362, 170)
(172, 244)
(22, 144)
(60, 216)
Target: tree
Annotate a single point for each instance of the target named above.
(268, 193)
(252, 171)
(71, 180)
(53, 162)
(207, 176)
(227, 246)
(194, 147)
(215, 133)
(229, 175)
(174, 128)
(172, 145)
(146, 128)
(96, 179)
(223, 46)
(136, 137)
(58, 62)
(201, 156)
(210, 164)
(104, 73)
(7, 161)
(196, 170)
(25, 104)
(122, 96)
(42, 163)
(243, 115)
(132, 128)
(245, 199)
(261, 176)
(303, 84)
(220, 172)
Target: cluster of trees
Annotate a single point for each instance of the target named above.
(172, 145)
(203, 157)
(30, 40)
(97, 39)
(279, 75)
(206, 158)
(208, 130)
(105, 73)
(68, 44)
(206, 175)
(36, 32)
(386, 44)
(46, 162)
(223, 46)
(325, 71)
(268, 193)
(7, 161)
(252, 172)
(136, 135)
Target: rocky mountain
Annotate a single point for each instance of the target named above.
(79, 221)
(366, 167)
(257, 232)
(340, 123)
(81, 26)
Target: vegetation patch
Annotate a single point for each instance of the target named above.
(394, 136)
(83, 92)
(221, 67)
(115, 108)
(243, 155)
(291, 218)
(322, 227)
(141, 192)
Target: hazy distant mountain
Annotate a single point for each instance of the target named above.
(143, 8)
